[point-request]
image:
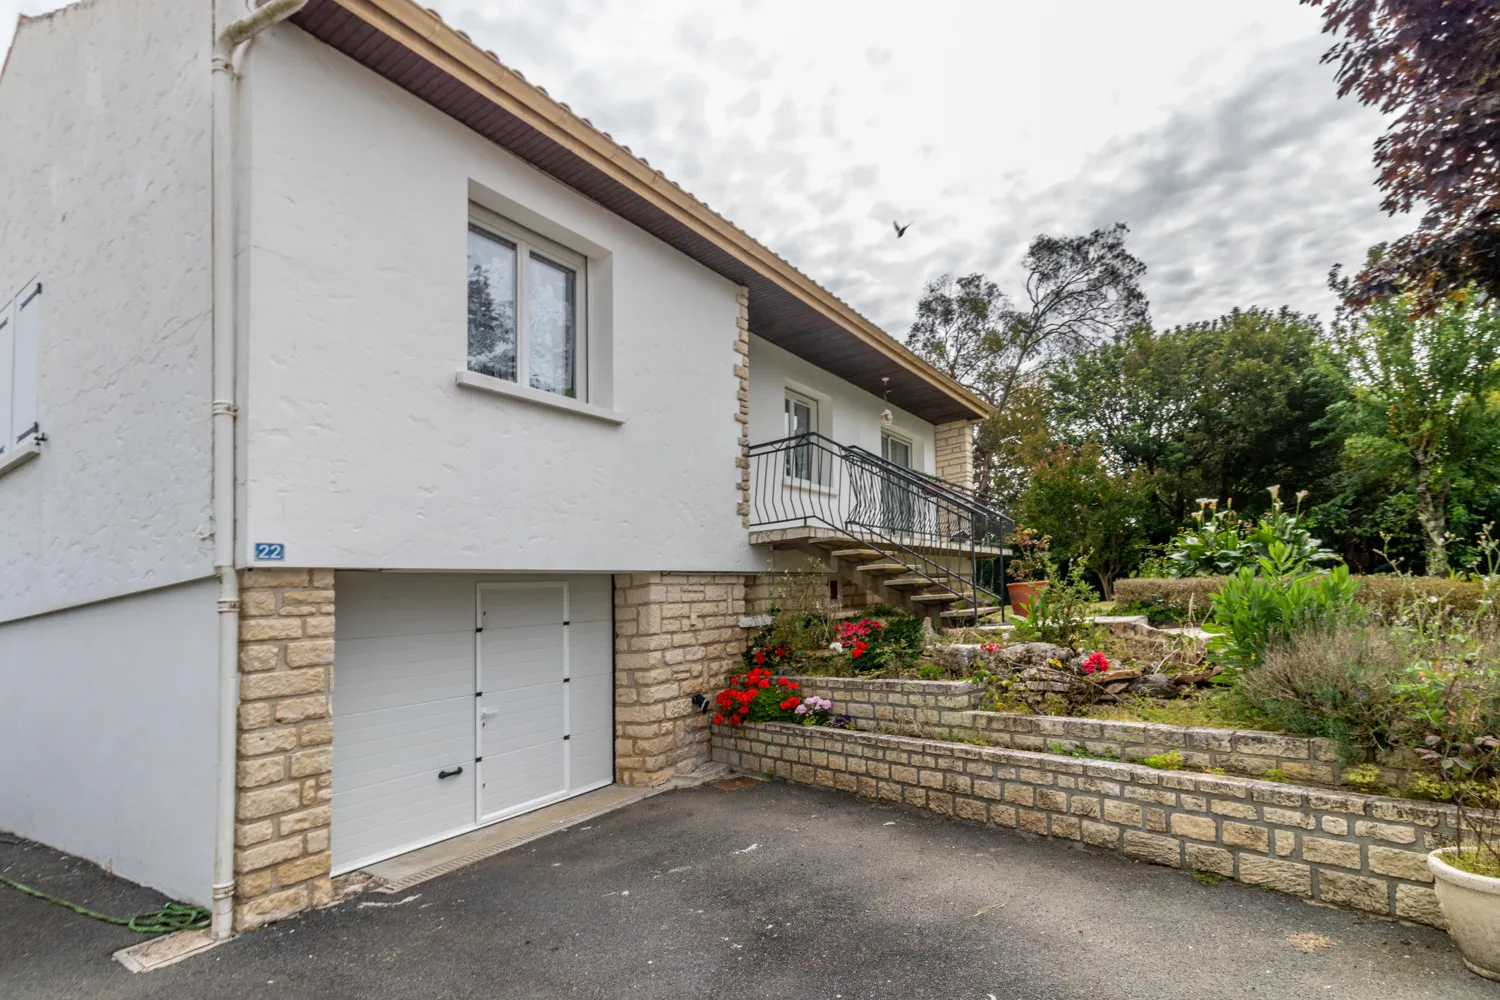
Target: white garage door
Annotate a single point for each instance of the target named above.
(461, 700)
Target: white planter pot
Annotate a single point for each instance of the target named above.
(1471, 908)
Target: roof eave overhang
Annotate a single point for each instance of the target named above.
(416, 50)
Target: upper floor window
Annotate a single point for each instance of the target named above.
(20, 335)
(527, 321)
(895, 449)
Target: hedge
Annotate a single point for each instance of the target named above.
(1383, 593)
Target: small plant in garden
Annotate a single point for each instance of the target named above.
(1275, 774)
(1207, 878)
(757, 696)
(810, 711)
(840, 722)
(1095, 663)
(1365, 778)
(1057, 614)
(1222, 543)
(1033, 555)
(1169, 761)
(931, 672)
(875, 644)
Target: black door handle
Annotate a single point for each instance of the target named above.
(451, 772)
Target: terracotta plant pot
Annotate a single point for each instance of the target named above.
(1471, 908)
(1021, 594)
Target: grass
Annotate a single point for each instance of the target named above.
(1472, 861)
(1213, 708)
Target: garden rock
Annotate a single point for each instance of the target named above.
(1028, 655)
(1155, 685)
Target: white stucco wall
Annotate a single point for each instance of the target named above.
(361, 451)
(107, 747)
(846, 412)
(104, 197)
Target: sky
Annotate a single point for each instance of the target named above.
(1210, 129)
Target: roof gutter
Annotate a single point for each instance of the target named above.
(225, 295)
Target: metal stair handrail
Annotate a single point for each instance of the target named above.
(910, 517)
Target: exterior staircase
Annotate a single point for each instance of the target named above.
(912, 540)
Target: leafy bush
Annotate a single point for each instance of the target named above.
(757, 696)
(1252, 611)
(1222, 544)
(1339, 681)
(875, 644)
(1057, 614)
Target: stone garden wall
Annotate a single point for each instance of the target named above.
(1361, 851)
(950, 708)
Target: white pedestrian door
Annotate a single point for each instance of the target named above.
(523, 684)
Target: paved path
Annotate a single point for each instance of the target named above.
(773, 891)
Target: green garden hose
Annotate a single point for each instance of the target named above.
(172, 917)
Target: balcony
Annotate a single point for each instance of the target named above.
(917, 542)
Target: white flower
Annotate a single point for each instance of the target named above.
(837, 647)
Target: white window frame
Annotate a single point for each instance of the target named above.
(528, 243)
(20, 432)
(791, 399)
(886, 434)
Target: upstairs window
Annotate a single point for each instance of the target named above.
(527, 322)
(20, 336)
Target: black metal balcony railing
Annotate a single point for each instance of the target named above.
(939, 530)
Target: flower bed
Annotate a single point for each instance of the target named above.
(1361, 851)
(952, 709)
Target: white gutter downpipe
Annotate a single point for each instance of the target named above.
(224, 409)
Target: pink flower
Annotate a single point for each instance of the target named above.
(989, 648)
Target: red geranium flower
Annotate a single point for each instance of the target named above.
(1096, 663)
(791, 703)
(760, 657)
(719, 719)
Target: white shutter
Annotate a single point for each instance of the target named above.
(28, 323)
(7, 355)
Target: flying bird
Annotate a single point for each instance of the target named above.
(900, 229)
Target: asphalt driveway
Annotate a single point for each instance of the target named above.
(771, 891)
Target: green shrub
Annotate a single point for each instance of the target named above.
(1384, 594)
(1338, 680)
(1388, 594)
(1252, 610)
(1220, 543)
(1189, 598)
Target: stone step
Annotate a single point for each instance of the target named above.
(883, 567)
(857, 554)
(918, 580)
(969, 613)
(944, 598)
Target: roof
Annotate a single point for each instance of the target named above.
(413, 48)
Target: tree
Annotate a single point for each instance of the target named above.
(1079, 289)
(1424, 396)
(1219, 409)
(1435, 66)
(1091, 511)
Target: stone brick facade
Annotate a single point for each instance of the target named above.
(948, 708)
(285, 763)
(742, 414)
(1361, 851)
(954, 455)
(676, 635)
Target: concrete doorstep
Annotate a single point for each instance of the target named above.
(167, 949)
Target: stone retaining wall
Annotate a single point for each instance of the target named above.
(950, 708)
(1361, 851)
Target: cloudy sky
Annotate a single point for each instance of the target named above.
(1209, 128)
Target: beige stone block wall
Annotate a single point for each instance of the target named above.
(285, 763)
(1367, 852)
(954, 457)
(742, 414)
(676, 635)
